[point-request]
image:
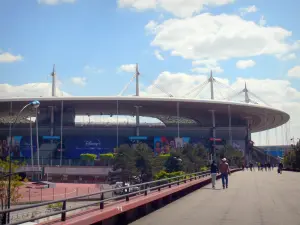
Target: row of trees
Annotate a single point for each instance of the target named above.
(140, 161)
(292, 158)
(129, 162)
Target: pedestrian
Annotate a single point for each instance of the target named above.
(213, 171)
(224, 170)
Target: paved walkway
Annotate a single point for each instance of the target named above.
(253, 198)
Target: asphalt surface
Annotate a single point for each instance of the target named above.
(253, 198)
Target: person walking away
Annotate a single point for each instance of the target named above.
(251, 166)
(213, 171)
(280, 167)
(224, 170)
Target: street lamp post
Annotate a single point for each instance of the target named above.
(35, 104)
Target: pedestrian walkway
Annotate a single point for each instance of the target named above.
(253, 198)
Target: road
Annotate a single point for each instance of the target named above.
(253, 198)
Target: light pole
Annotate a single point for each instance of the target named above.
(35, 104)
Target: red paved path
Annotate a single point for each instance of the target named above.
(61, 191)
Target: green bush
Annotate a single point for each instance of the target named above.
(88, 157)
(107, 156)
(163, 175)
(165, 155)
(203, 168)
(57, 205)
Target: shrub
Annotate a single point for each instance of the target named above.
(88, 157)
(57, 205)
(165, 155)
(107, 156)
(203, 168)
(163, 174)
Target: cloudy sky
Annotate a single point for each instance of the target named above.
(95, 45)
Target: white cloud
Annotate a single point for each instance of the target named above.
(180, 8)
(55, 2)
(294, 72)
(262, 21)
(29, 90)
(158, 55)
(92, 69)
(151, 26)
(205, 62)
(81, 81)
(205, 70)
(129, 68)
(6, 57)
(207, 65)
(277, 93)
(249, 9)
(290, 56)
(243, 64)
(220, 37)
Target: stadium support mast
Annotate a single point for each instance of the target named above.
(247, 99)
(211, 80)
(137, 74)
(53, 74)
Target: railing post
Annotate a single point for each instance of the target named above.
(184, 179)
(102, 203)
(146, 190)
(127, 198)
(63, 214)
(170, 183)
(4, 220)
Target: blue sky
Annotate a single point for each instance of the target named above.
(89, 40)
(101, 35)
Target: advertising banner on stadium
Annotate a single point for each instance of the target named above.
(163, 145)
(75, 146)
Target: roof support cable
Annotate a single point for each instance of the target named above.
(254, 95)
(127, 85)
(199, 86)
(159, 87)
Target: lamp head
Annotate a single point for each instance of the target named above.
(35, 104)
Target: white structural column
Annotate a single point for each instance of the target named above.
(137, 90)
(37, 139)
(137, 117)
(248, 139)
(213, 134)
(31, 143)
(178, 119)
(117, 123)
(229, 125)
(61, 131)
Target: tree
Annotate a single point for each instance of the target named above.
(234, 156)
(174, 164)
(124, 162)
(15, 182)
(292, 157)
(144, 161)
(194, 157)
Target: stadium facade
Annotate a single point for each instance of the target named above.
(183, 120)
(55, 134)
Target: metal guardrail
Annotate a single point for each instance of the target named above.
(145, 188)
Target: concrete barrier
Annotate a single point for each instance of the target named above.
(124, 212)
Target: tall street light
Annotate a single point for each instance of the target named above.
(35, 104)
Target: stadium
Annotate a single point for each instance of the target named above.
(59, 140)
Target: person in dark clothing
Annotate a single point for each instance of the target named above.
(213, 171)
(280, 167)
